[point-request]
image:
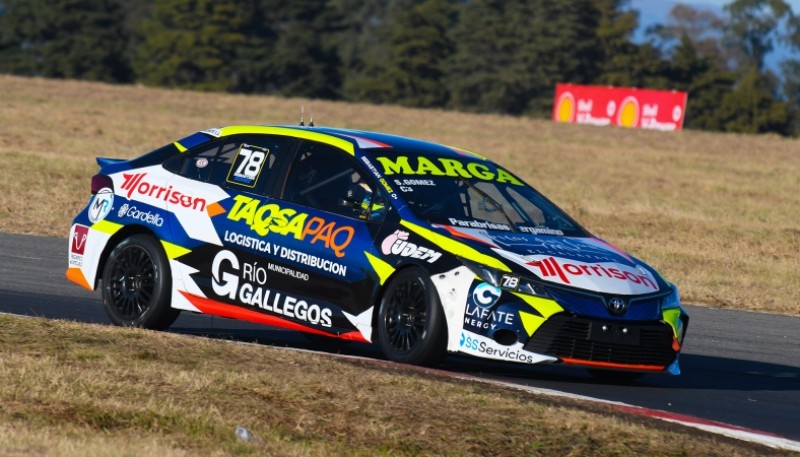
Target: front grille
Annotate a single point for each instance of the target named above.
(593, 304)
(567, 336)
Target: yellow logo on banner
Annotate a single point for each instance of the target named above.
(628, 112)
(566, 108)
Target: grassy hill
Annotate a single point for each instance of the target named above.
(715, 213)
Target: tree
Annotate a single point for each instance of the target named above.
(81, 39)
(417, 46)
(304, 60)
(751, 106)
(703, 28)
(510, 54)
(191, 44)
(791, 92)
(755, 26)
(706, 85)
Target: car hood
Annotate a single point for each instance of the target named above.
(581, 262)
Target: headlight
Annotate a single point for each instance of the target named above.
(505, 281)
(673, 300)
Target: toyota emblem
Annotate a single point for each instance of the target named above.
(617, 306)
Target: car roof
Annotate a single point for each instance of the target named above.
(350, 140)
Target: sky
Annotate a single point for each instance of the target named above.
(657, 11)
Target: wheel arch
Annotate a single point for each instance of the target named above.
(124, 232)
(378, 296)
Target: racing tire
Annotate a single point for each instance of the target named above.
(137, 285)
(411, 321)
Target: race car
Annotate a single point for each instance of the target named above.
(423, 248)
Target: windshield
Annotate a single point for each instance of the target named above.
(473, 194)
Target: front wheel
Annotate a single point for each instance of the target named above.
(137, 285)
(411, 322)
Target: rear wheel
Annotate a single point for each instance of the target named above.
(411, 322)
(137, 285)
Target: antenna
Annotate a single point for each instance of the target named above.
(310, 121)
(302, 110)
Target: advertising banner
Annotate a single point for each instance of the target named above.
(625, 107)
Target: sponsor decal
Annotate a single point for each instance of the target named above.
(540, 230)
(213, 132)
(621, 106)
(628, 114)
(486, 295)
(247, 165)
(549, 267)
(283, 252)
(397, 244)
(101, 204)
(441, 166)
(479, 225)
(559, 247)
(202, 162)
(79, 236)
(137, 185)
(147, 217)
(269, 217)
(77, 245)
(479, 313)
(286, 271)
(487, 347)
(246, 283)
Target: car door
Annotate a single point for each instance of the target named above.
(328, 228)
(224, 171)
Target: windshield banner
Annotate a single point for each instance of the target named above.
(621, 106)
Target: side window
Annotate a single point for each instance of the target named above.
(326, 178)
(193, 164)
(242, 162)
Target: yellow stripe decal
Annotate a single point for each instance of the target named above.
(673, 318)
(180, 147)
(106, 227)
(455, 247)
(531, 322)
(383, 269)
(543, 306)
(297, 133)
(173, 250)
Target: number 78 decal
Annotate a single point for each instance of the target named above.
(247, 165)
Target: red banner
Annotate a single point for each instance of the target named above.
(626, 107)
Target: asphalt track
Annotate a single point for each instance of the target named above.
(739, 368)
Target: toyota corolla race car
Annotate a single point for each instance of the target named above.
(422, 248)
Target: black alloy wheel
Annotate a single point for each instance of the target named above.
(136, 285)
(411, 322)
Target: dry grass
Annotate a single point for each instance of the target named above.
(715, 213)
(80, 390)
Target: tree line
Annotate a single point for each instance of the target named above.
(493, 56)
